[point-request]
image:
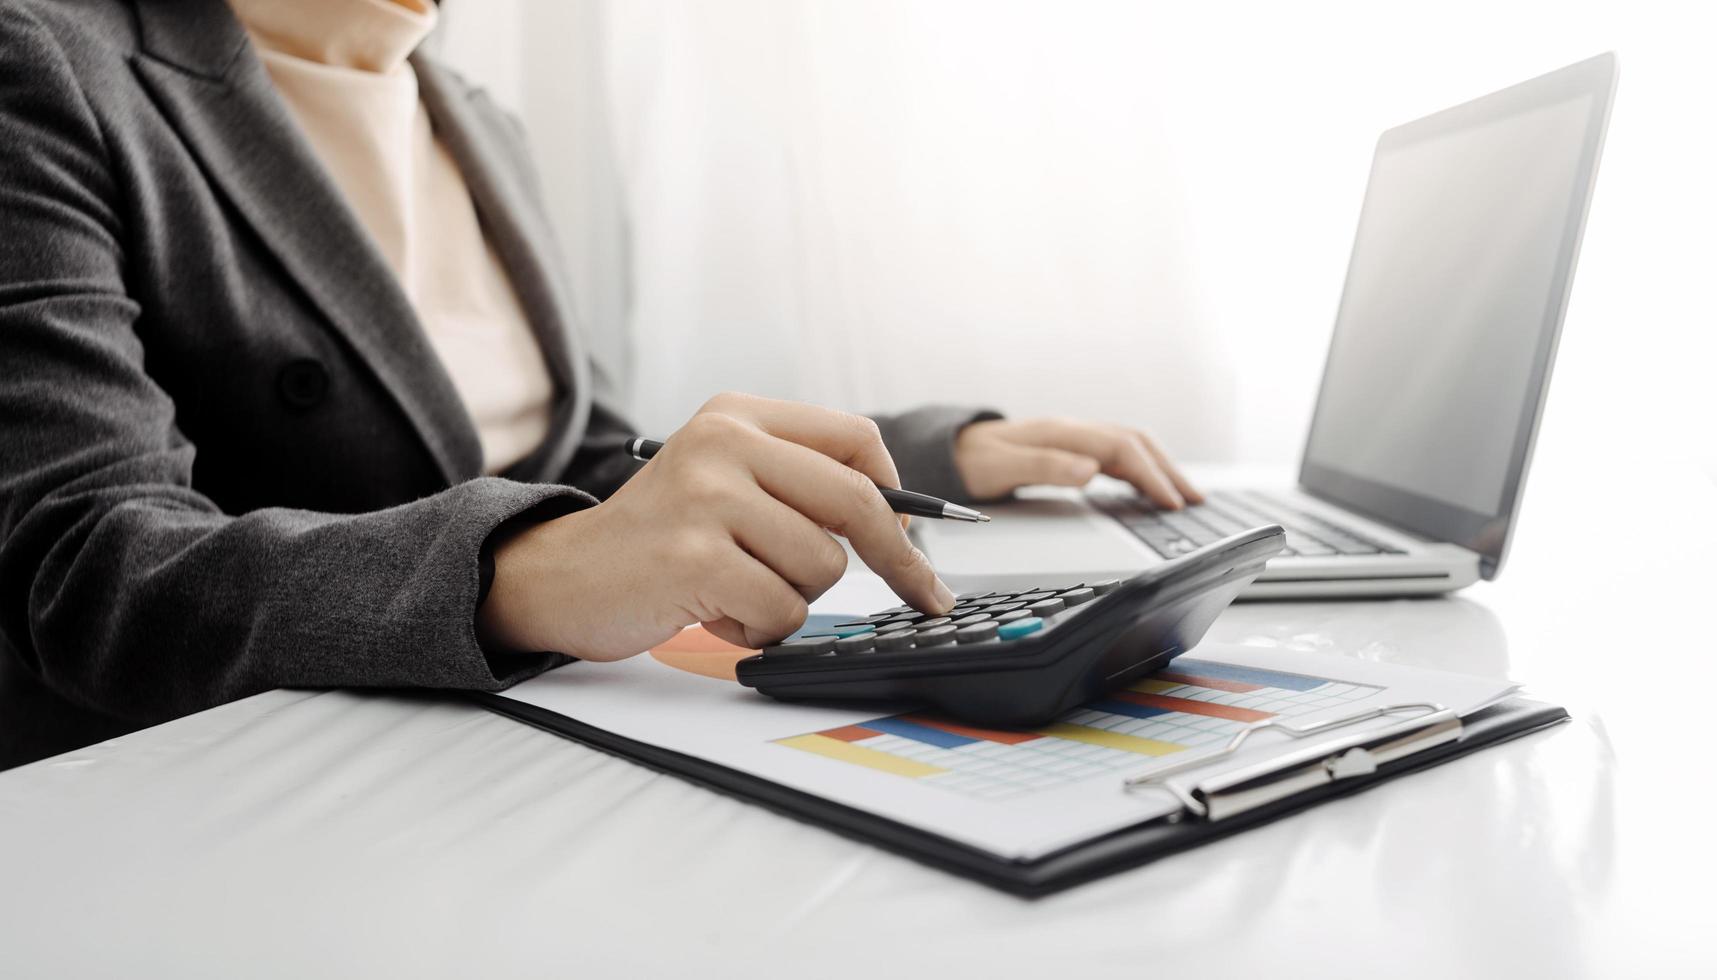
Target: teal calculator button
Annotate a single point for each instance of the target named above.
(842, 632)
(1019, 628)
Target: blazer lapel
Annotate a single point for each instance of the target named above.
(514, 224)
(223, 104)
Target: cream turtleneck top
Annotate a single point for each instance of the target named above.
(341, 67)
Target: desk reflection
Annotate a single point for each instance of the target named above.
(1539, 838)
(1447, 633)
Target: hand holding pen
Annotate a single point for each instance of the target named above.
(900, 501)
(729, 525)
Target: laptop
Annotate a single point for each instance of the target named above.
(1432, 389)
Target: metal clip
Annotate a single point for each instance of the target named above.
(1225, 794)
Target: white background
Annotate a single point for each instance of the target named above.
(1171, 190)
(1139, 211)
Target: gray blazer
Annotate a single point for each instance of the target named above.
(229, 458)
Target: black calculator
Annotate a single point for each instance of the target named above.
(1021, 657)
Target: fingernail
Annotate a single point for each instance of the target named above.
(944, 596)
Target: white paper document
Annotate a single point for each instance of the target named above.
(1016, 794)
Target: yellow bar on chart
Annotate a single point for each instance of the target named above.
(1110, 740)
(834, 748)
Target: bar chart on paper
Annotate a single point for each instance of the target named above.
(1191, 705)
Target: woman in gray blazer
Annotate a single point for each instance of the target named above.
(232, 457)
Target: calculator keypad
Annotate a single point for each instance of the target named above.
(979, 617)
(1022, 657)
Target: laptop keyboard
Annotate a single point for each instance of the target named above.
(1175, 532)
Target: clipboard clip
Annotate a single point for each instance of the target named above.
(1236, 791)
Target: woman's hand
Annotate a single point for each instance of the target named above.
(725, 526)
(1000, 456)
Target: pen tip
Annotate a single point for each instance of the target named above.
(983, 518)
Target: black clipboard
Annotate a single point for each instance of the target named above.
(1088, 860)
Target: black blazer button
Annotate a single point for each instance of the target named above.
(303, 383)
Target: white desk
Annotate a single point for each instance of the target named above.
(301, 833)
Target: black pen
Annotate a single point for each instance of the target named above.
(901, 501)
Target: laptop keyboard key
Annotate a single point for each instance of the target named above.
(1174, 533)
(1301, 544)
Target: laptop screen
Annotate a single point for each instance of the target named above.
(1453, 299)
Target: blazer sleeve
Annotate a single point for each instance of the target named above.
(121, 587)
(601, 463)
(922, 444)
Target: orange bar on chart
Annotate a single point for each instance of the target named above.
(1213, 683)
(849, 733)
(1209, 709)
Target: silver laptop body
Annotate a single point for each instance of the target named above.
(1432, 390)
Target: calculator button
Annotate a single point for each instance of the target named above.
(897, 640)
(804, 646)
(1074, 597)
(904, 619)
(1011, 616)
(1004, 607)
(1019, 628)
(934, 636)
(969, 596)
(958, 611)
(1047, 607)
(932, 623)
(977, 617)
(862, 643)
(977, 632)
(1034, 597)
(1106, 586)
(840, 632)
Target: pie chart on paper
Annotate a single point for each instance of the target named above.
(699, 651)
